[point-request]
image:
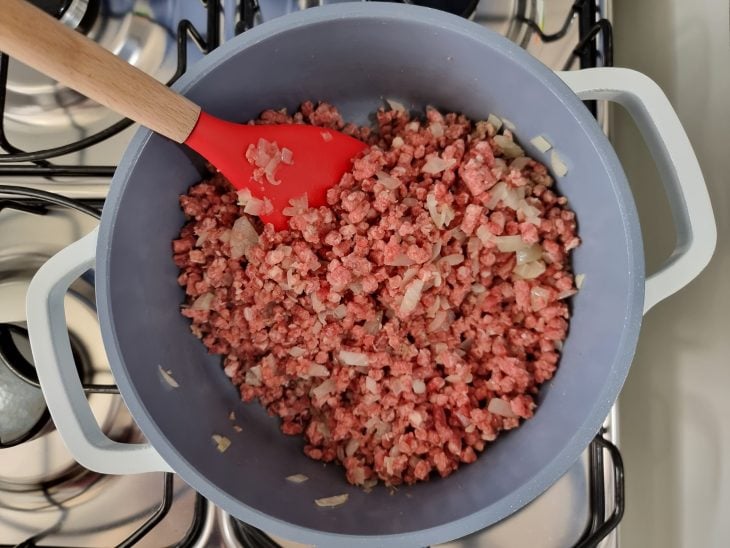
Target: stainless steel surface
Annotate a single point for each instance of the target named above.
(89, 510)
(35, 100)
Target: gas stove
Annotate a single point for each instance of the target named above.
(58, 151)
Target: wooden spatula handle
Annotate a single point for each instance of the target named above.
(38, 40)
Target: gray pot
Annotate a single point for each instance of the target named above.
(353, 55)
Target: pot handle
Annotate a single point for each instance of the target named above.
(57, 374)
(677, 165)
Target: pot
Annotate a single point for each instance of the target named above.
(353, 55)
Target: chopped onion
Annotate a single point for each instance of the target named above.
(237, 428)
(419, 387)
(453, 259)
(530, 213)
(436, 129)
(415, 418)
(243, 237)
(395, 105)
(518, 164)
(400, 260)
(436, 250)
(371, 385)
(508, 124)
(373, 326)
(317, 304)
(253, 376)
(528, 271)
(434, 164)
(539, 297)
(397, 142)
(438, 320)
(222, 443)
(297, 478)
(203, 302)
(340, 312)
(508, 244)
(323, 390)
(508, 146)
(579, 279)
(232, 416)
(244, 195)
(408, 276)
(297, 351)
(485, 235)
(559, 167)
(332, 502)
(508, 195)
(351, 447)
(318, 370)
(353, 358)
(541, 144)
(326, 136)
(501, 407)
(478, 289)
(496, 121)
(529, 254)
(388, 181)
(168, 378)
(412, 297)
(567, 293)
(431, 311)
(253, 206)
(287, 156)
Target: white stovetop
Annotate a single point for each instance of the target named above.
(675, 432)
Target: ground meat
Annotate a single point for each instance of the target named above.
(381, 326)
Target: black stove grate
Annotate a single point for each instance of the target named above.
(19, 163)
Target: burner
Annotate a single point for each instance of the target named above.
(128, 28)
(23, 413)
(77, 14)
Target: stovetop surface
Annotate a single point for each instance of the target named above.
(44, 495)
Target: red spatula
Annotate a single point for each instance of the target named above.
(315, 158)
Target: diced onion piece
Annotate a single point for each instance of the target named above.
(415, 418)
(243, 237)
(327, 387)
(397, 142)
(297, 478)
(371, 385)
(438, 321)
(539, 297)
(412, 297)
(332, 502)
(559, 167)
(529, 271)
(541, 144)
(253, 206)
(203, 302)
(453, 259)
(318, 370)
(222, 443)
(297, 351)
(408, 276)
(253, 376)
(485, 235)
(434, 308)
(287, 156)
(508, 244)
(419, 387)
(509, 196)
(567, 293)
(436, 250)
(317, 304)
(232, 416)
(478, 289)
(496, 121)
(436, 129)
(351, 447)
(519, 163)
(326, 136)
(244, 195)
(395, 105)
(529, 254)
(508, 146)
(168, 378)
(340, 312)
(435, 164)
(267, 208)
(433, 210)
(237, 428)
(388, 181)
(508, 124)
(353, 358)
(579, 279)
(500, 407)
(400, 260)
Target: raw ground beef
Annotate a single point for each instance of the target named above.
(400, 328)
